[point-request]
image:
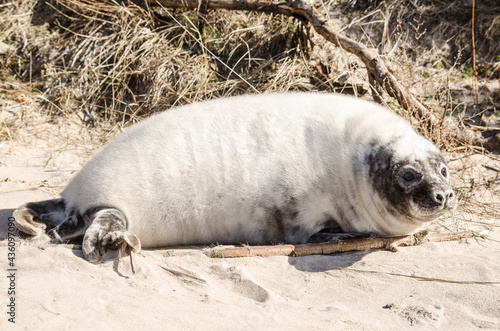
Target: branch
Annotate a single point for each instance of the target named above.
(338, 246)
(309, 14)
(378, 72)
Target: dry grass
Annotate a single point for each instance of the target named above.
(113, 64)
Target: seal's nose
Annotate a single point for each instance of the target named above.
(444, 197)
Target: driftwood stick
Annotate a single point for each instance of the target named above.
(337, 246)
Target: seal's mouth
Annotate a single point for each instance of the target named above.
(429, 212)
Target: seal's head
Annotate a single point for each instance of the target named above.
(412, 178)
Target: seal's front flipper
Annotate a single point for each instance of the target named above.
(35, 218)
(334, 237)
(108, 231)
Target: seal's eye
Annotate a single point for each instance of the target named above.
(409, 176)
(444, 172)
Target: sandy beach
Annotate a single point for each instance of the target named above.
(182, 289)
(74, 73)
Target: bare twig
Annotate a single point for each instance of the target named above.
(131, 261)
(184, 273)
(335, 246)
(474, 69)
(486, 82)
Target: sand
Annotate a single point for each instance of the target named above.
(56, 289)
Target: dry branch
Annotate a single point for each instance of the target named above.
(309, 14)
(337, 246)
(378, 72)
(379, 75)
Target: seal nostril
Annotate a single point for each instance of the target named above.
(439, 198)
(450, 196)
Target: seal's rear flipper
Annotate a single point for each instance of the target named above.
(35, 218)
(108, 231)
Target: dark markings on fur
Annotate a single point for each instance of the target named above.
(331, 229)
(321, 237)
(276, 226)
(43, 215)
(73, 226)
(293, 229)
(49, 212)
(422, 195)
(47, 206)
(383, 172)
(281, 221)
(331, 225)
(342, 218)
(425, 194)
(382, 166)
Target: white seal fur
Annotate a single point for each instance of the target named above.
(251, 169)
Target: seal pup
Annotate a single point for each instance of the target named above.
(250, 169)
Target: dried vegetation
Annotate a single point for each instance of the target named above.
(116, 63)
